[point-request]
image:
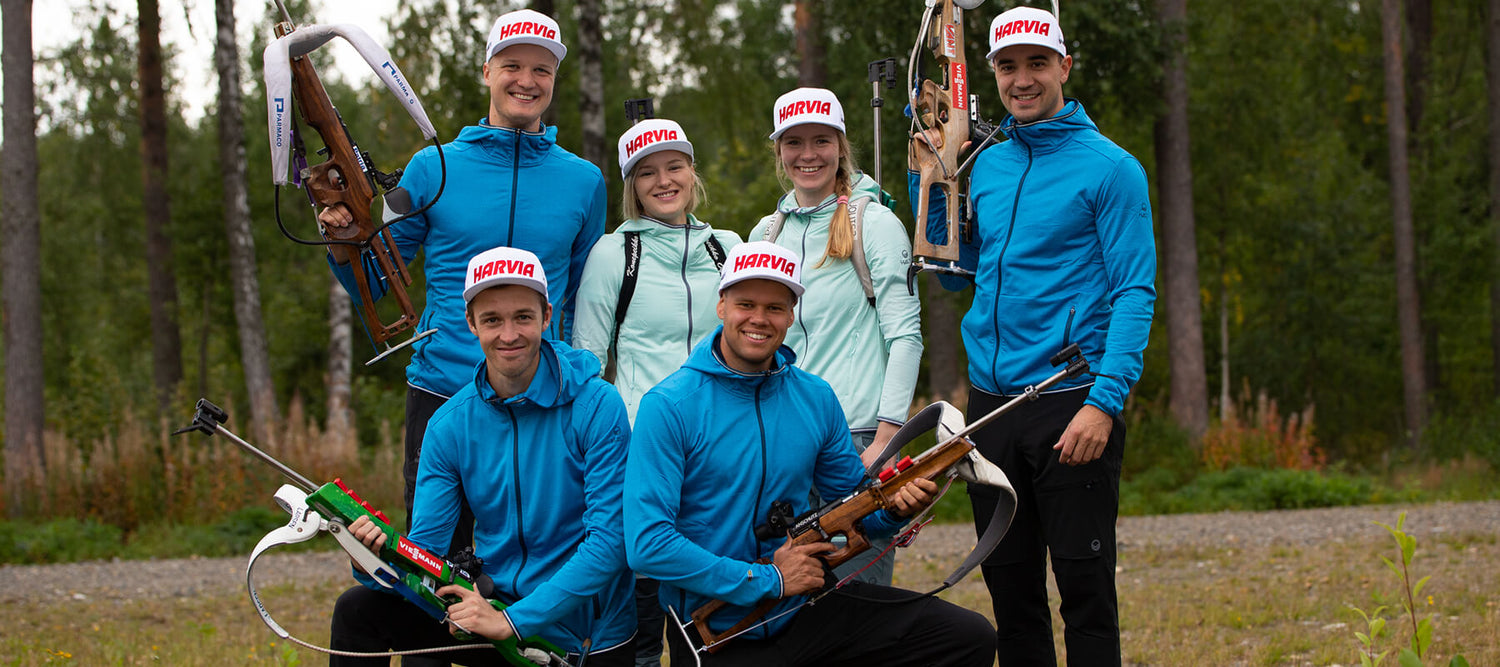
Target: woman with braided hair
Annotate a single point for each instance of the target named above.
(857, 326)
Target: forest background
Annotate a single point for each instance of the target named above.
(1328, 266)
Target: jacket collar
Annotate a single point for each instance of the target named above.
(507, 144)
(1049, 134)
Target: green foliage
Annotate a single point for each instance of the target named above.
(1462, 430)
(1419, 642)
(1245, 489)
(60, 541)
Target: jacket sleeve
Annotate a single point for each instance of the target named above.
(654, 474)
(434, 512)
(1125, 234)
(588, 235)
(898, 310)
(603, 434)
(598, 295)
(839, 470)
(937, 231)
(409, 234)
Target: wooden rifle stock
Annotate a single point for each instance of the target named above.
(944, 108)
(343, 179)
(841, 517)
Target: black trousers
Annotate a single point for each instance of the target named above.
(368, 621)
(420, 406)
(858, 625)
(1068, 511)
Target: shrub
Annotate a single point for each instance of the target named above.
(1254, 434)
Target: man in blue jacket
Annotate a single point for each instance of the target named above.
(535, 442)
(1063, 253)
(508, 184)
(736, 429)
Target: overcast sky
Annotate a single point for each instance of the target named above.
(54, 24)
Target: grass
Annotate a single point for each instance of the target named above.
(1229, 605)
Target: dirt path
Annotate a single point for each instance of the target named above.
(126, 580)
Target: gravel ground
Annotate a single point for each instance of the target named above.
(126, 580)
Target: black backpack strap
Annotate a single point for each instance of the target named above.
(715, 252)
(627, 286)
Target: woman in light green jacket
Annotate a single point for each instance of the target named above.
(677, 282)
(867, 346)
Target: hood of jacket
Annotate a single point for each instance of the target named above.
(561, 373)
(1045, 135)
(507, 144)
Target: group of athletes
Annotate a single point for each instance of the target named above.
(744, 373)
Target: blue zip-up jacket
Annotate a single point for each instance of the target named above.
(543, 471)
(712, 449)
(1063, 253)
(675, 303)
(505, 187)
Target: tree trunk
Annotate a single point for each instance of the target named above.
(549, 8)
(591, 81)
(1174, 165)
(339, 430)
(945, 376)
(810, 68)
(254, 356)
(20, 263)
(1492, 80)
(1408, 304)
(166, 342)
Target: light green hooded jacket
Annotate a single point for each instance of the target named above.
(870, 355)
(674, 305)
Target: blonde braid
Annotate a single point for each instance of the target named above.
(840, 227)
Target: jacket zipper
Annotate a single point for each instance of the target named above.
(1000, 261)
(515, 462)
(687, 237)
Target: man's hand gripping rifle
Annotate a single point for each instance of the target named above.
(952, 457)
(348, 178)
(400, 565)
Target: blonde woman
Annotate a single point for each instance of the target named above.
(864, 341)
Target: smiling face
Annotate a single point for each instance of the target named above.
(520, 79)
(810, 157)
(756, 315)
(1030, 80)
(663, 183)
(509, 320)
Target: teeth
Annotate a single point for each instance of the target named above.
(756, 336)
(808, 170)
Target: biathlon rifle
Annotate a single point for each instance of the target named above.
(952, 457)
(400, 565)
(348, 177)
(942, 107)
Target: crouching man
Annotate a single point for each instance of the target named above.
(737, 428)
(536, 443)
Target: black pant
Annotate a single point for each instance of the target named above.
(860, 624)
(368, 621)
(420, 406)
(1068, 511)
(649, 621)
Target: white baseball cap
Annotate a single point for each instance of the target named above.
(504, 266)
(649, 136)
(1026, 25)
(525, 26)
(807, 105)
(764, 260)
